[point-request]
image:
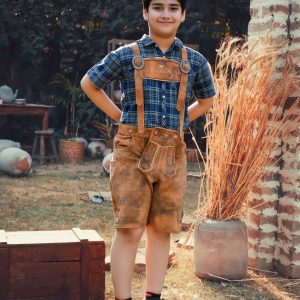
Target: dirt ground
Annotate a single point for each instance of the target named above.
(55, 197)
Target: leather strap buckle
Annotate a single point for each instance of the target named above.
(185, 66)
(140, 64)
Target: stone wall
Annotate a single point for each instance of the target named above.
(274, 204)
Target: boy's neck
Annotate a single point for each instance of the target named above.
(164, 43)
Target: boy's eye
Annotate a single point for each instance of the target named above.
(159, 7)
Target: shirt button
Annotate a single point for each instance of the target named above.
(164, 116)
(164, 96)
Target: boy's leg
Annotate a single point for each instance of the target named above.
(123, 253)
(157, 255)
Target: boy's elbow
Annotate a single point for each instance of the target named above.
(84, 82)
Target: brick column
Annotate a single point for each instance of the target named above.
(274, 206)
(288, 241)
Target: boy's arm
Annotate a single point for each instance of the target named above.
(101, 100)
(199, 107)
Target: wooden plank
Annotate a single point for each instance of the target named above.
(97, 251)
(32, 269)
(87, 235)
(97, 266)
(41, 253)
(3, 240)
(80, 234)
(97, 285)
(85, 272)
(66, 288)
(52, 297)
(56, 281)
(41, 237)
(4, 273)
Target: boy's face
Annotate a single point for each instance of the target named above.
(164, 17)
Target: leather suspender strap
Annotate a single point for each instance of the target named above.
(180, 105)
(138, 63)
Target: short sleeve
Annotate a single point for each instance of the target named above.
(203, 85)
(105, 71)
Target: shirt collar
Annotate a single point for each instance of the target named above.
(147, 41)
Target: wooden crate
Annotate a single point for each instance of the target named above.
(52, 265)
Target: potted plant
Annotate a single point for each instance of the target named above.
(242, 127)
(71, 147)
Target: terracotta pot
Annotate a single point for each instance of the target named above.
(220, 249)
(71, 150)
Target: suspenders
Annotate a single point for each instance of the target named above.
(160, 69)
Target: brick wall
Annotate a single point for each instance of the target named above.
(274, 204)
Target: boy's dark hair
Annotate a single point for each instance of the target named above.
(146, 4)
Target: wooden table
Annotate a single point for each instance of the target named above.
(28, 109)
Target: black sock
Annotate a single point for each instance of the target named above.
(152, 296)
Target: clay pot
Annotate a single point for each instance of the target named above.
(15, 162)
(96, 148)
(220, 249)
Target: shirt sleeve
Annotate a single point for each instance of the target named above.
(105, 71)
(203, 86)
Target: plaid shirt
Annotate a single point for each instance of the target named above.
(160, 97)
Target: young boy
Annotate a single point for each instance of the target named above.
(158, 76)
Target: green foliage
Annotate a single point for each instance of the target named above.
(40, 38)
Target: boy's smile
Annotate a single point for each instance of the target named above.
(164, 17)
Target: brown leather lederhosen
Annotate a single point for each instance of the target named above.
(148, 169)
(163, 69)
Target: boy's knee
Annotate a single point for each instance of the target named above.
(131, 235)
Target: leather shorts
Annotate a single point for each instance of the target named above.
(147, 178)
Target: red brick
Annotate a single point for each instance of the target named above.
(261, 264)
(262, 219)
(259, 27)
(292, 195)
(293, 239)
(290, 209)
(258, 234)
(252, 233)
(260, 204)
(290, 271)
(270, 176)
(291, 225)
(269, 250)
(293, 165)
(275, 9)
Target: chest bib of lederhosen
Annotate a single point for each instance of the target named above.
(162, 69)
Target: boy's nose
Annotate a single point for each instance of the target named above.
(166, 14)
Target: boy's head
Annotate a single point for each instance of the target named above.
(146, 4)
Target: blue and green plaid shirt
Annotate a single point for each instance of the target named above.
(160, 97)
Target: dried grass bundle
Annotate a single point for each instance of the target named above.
(245, 122)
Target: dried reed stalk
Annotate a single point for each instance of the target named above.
(245, 122)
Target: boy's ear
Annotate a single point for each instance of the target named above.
(145, 14)
(183, 16)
